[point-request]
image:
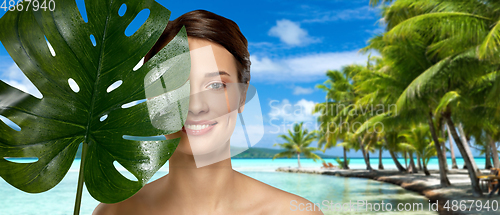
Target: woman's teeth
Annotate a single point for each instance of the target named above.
(197, 127)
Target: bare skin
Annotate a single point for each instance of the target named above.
(211, 189)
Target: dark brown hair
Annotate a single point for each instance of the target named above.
(203, 24)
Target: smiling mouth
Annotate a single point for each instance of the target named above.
(198, 129)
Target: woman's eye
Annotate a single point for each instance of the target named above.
(216, 86)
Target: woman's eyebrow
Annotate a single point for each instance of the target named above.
(219, 73)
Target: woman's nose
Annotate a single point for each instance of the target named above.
(197, 104)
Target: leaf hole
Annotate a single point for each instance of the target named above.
(22, 159)
(114, 86)
(92, 38)
(134, 103)
(138, 21)
(83, 11)
(103, 117)
(9, 123)
(122, 10)
(124, 172)
(146, 138)
(73, 85)
(52, 52)
(139, 65)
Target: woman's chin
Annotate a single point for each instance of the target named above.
(202, 149)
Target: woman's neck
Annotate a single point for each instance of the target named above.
(209, 187)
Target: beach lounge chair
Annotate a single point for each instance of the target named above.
(489, 182)
(493, 184)
(330, 165)
(325, 166)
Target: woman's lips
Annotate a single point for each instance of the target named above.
(197, 128)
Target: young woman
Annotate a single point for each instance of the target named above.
(220, 73)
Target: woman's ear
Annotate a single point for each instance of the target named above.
(243, 98)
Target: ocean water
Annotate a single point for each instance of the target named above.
(315, 188)
(354, 163)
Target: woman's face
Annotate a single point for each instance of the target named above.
(214, 99)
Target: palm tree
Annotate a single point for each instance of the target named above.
(297, 143)
(418, 140)
(454, 46)
(327, 135)
(342, 163)
(405, 60)
(380, 147)
(339, 98)
(392, 144)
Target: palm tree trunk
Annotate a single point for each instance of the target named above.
(426, 171)
(298, 159)
(443, 135)
(344, 165)
(419, 163)
(367, 161)
(406, 159)
(380, 165)
(365, 156)
(496, 162)
(453, 159)
(396, 162)
(444, 155)
(369, 166)
(487, 164)
(465, 143)
(412, 164)
(442, 160)
(466, 155)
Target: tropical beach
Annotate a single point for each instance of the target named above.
(316, 188)
(314, 183)
(434, 81)
(372, 106)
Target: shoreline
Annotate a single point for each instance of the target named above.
(428, 186)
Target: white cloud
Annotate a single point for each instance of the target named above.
(307, 68)
(13, 76)
(361, 13)
(298, 90)
(376, 31)
(291, 33)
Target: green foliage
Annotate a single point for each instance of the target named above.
(418, 139)
(267, 153)
(53, 127)
(297, 142)
(341, 162)
(439, 58)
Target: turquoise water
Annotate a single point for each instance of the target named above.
(355, 163)
(316, 188)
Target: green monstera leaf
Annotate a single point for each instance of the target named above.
(53, 127)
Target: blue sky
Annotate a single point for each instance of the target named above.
(292, 44)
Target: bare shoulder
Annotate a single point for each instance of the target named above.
(276, 201)
(132, 205)
(102, 209)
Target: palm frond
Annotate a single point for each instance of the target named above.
(448, 98)
(490, 49)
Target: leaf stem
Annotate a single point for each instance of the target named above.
(79, 190)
